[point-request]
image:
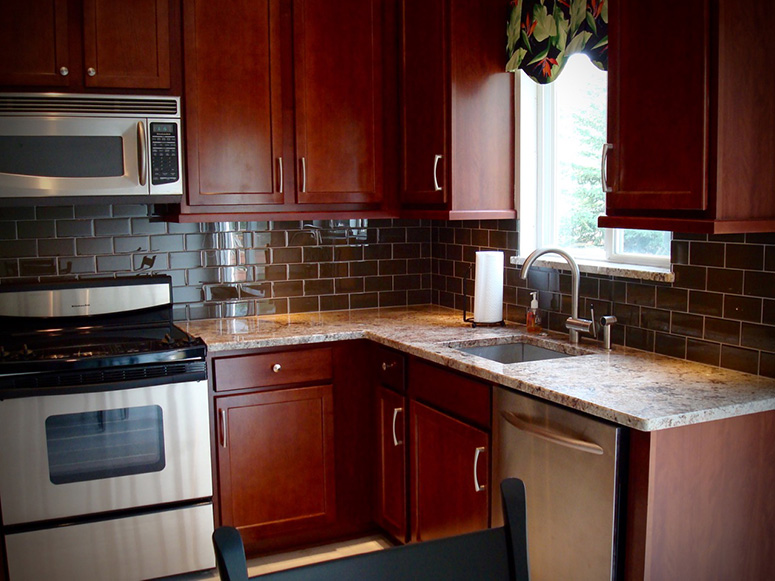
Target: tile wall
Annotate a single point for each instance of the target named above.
(225, 269)
(720, 310)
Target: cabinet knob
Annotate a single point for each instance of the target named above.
(91, 71)
(277, 367)
(64, 71)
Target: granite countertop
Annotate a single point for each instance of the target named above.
(630, 387)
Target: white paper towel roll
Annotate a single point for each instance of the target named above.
(488, 289)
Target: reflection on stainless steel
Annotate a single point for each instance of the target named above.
(569, 463)
(104, 437)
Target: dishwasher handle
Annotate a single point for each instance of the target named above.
(551, 435)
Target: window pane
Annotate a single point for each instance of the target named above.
(581, 98)
(649, 242)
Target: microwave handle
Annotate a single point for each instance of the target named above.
(142, 154)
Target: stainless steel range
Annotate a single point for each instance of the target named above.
(105, 466)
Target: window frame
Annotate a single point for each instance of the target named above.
(535, 150)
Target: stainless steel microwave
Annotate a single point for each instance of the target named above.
(56, 145)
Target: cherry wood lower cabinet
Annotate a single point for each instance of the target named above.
(276, 459)
(450, 476)
(391, 509)
(700, 501)
(292, 444)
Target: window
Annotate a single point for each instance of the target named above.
(562, 132)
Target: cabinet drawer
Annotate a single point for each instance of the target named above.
(466, 398)
(270, 369)
(391, 368)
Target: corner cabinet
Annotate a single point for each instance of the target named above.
(692, 142)
(457, 111)
(88, 44)
(287, 117)
(433, 461)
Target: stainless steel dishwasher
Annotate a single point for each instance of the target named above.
(569, 463)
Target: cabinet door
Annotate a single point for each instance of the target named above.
(449, 466)
(658, 107)
(126, 44)
(391, 471)
(233, 106)
(34, 43)
(338, 88)
(424, 107)
(276, 459)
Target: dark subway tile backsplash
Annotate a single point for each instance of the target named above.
(720, 310)
(225, 269)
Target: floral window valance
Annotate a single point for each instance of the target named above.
(542, 34)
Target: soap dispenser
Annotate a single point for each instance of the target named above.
(533, 319)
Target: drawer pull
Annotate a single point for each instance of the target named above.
(386, 366)
(478, 487)
(277, 367)
(396, 411)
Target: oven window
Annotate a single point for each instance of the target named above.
(62, 156)
(105, 444)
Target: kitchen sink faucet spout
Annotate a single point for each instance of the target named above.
(573, 324)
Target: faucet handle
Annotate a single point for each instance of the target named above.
(607, 322)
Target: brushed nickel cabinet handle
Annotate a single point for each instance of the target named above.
(396, 411)
(478, 487)
(304, 174)
(386, 365)
(607, 147)
(277, 367)
(222, 417)
(436, 161)
(280, 174)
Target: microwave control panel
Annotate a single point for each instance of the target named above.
(164, 153)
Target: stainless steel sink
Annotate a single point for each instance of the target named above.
(513, 352)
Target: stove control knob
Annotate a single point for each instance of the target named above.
(26, 351)
(3, 352)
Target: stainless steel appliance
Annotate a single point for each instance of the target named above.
(570, 465)
(104, 433)
(55, 145)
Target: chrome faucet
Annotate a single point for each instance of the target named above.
(574, 324)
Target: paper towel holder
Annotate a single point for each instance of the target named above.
(467, 319)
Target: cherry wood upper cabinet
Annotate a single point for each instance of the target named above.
(126, 44)
(288, 118)
(34, 47)
(457, 111)
(338, 89)
(691, 123)
(233, 102)
(84, 45)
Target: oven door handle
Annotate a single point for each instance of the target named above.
(222, 417)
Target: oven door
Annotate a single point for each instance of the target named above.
(80, 454)
(73, 156)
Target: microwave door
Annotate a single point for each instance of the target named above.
(88, 156)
